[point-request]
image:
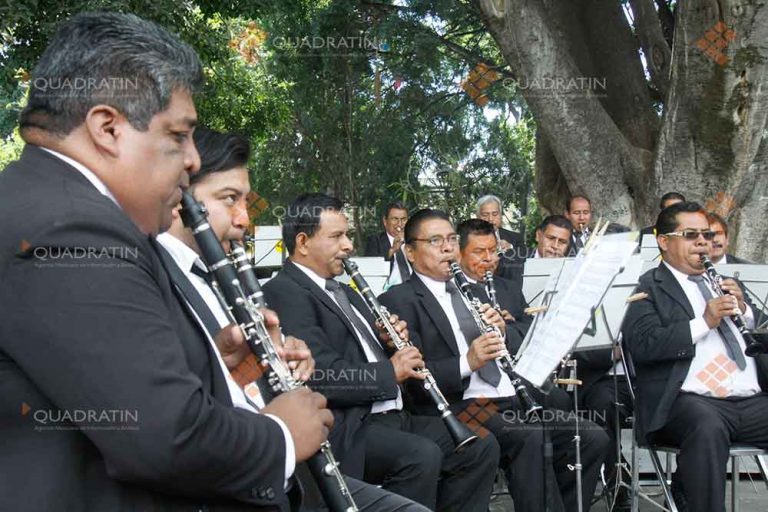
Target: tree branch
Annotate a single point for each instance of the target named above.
(657, 52)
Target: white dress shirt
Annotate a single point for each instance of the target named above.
(712, 372)
(478, 387)
(290, 458)
(376, 407)
(394, 276)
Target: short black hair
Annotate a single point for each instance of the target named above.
(395, 205)
(303, 216)
(556, 220)
(713, 218)
(577, 196)
(670, 195)
(472, 227)
(219, 152)
(414, 222)
(666, 222)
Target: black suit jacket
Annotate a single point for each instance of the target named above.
(731, 259)
(107, 332)
(658, 337)
(378, 245)
(430, 330)
(512, 261)
(343, 374)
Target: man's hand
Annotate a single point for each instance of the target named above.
(232, 346)
(396, 244)
(305, 414)
(507, 316)
(733, 288)
(505, 246)
(492, 317)
(298, 356)
(484, 348)
(406, 362)
(401, 328)
(719, 308)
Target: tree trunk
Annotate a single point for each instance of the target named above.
(608, 142)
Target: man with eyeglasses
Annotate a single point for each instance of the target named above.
(374, 437)
(463, 362)
(696, 389)
(389, 244)
(719, 251)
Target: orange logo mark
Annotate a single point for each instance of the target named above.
(477, 413)
(716, 373)
(24, 246)
(479, 79)
(25, 409)
(256, 205)
(715, 40)
(721, 203)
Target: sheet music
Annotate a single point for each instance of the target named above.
(581, 288)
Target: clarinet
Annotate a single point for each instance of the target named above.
(532, 409)
(754, 347)
(246, 314)
(490, 289)
(460, 434)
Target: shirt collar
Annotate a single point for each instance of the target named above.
(436, 287)
(319, 281)
(89, 175)
(181, 253)
(680, 276)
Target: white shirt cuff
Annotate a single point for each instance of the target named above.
(699, 329)
(464, 368)
(290, 449)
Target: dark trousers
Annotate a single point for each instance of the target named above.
(704, 428)
(522, 456)
(600, 400)
(414, 457)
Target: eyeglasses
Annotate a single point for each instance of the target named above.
(439, 241)
(692, 234)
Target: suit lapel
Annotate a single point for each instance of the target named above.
(435, 312)
(671, 287)
(302, 279)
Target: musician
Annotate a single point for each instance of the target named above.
(374, 436)
(511, 245)
(389, 244)
(222, 185)
(667, 199)
(90, 320)
(696, 389)
(553, 237)
(578, 210)
(719, 248)
(463, 362)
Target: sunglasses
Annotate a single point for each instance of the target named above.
(692, 234)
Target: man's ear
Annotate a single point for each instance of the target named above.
(302, 244)
(105, 126)
(175, 213)
(538, 236)
(409, 252)
(663, 242)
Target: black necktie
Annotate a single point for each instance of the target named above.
(402, 265)
(729, 339)
(489, 372)
(342, 300)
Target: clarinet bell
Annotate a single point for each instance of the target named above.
(757, 343)
(459, 432)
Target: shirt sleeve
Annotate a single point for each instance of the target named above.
(699, 329)
(290, 449)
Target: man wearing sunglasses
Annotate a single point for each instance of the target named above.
(696, 389)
